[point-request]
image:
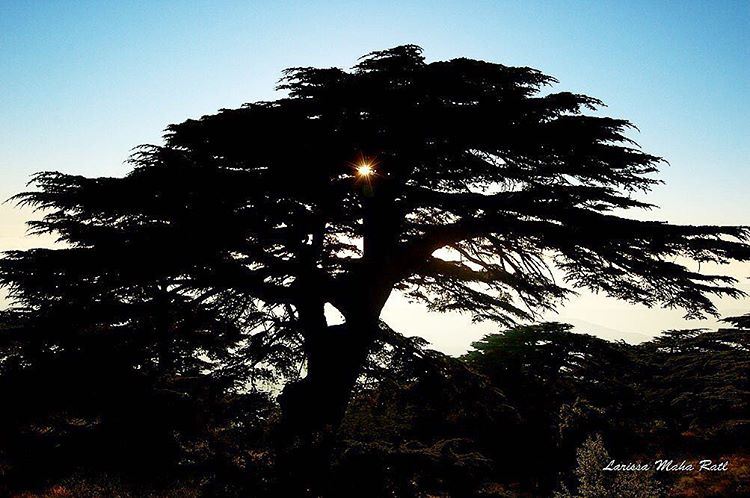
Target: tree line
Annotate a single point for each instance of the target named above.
(529, 411)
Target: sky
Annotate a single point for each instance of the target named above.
(82, 83)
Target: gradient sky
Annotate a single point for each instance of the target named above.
(81, 83)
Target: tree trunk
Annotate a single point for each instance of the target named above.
(335, 356)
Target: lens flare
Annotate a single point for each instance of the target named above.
(365, 170)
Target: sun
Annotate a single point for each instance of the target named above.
(365, 170)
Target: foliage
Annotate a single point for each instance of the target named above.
(515, 414)
(184, 296)
(593, 482)
(224, 244)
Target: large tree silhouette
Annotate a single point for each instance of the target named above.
(460, 183)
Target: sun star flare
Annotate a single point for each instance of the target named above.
(365, 170)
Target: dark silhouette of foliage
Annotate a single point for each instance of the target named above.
(259, 213)
(564, 386)
(741, 322)
(198, 282)
(700, 385)
(420, 423)
(684, 393)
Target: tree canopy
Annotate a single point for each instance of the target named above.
(464, 184)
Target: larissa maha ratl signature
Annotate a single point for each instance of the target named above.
(668, 466)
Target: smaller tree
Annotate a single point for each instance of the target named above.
(695, 384)
(594, 482)
(563, 385)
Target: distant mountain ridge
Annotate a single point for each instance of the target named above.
(608, 333)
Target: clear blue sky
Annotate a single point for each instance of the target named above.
(83, 82)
